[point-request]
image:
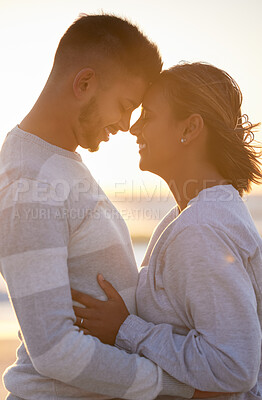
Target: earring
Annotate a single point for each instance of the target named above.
(183, 140)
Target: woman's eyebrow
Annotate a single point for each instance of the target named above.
(145, 108)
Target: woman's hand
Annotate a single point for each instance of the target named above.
(100, 318)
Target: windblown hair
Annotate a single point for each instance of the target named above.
(113, 41)
(209, 91)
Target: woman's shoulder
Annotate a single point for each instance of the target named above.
(226, 215)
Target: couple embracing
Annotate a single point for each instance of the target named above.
(189, 324)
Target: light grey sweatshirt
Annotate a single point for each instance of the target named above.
(58, 230)
(199, 297)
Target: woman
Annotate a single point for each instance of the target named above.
(199, 291)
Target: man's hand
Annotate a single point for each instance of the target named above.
(100, 318)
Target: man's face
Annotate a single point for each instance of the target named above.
(109, 111)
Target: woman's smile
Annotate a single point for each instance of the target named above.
(142, 147)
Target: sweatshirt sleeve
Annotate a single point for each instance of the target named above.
(34, 240)
(221, 351)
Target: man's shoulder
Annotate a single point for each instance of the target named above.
(25, 157)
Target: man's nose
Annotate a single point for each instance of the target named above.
(124, 124)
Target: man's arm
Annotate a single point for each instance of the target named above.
(34, 264)
(103, 319)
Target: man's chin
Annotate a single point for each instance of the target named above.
(95, 146)
(93, 149)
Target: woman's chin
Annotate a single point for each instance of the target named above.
(145, 166)
(142, 165)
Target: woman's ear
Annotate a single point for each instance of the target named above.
(84, 83)
(193, 127)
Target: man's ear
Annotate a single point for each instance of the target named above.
(193, 127)
(84, 82)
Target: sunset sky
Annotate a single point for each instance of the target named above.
(226, 33)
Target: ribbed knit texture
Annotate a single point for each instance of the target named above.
(59, 230)
(199, 297)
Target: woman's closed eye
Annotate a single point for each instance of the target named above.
(145, 115)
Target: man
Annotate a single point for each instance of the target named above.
(56, 230)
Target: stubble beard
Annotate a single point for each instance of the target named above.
(90, 118)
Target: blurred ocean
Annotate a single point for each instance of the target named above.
(141, 218)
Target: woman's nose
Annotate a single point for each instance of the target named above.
(136, 128)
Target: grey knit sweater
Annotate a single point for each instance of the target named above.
(58, 230)
(199, 297)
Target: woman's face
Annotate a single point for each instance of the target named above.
(158, 134)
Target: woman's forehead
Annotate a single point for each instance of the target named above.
(154, 97)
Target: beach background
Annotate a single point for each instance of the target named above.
(224, 33)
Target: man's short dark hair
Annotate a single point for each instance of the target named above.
(110, 39)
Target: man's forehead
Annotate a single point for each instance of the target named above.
(150, 95)
(134, 87)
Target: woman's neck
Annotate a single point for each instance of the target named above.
(187, 185)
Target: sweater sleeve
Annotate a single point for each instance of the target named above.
(221, 351)
(34, 240)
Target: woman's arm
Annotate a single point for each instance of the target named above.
(221, 352)
(102, 319)
(206, 282)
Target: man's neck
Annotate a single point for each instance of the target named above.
(49, 120)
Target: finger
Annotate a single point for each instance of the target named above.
(82, 312)
(83, 324)
(85, 331)
(80, 322)
(86, 324)
(109, 289)
(84, 298)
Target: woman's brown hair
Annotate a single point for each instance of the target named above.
(211, 92)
